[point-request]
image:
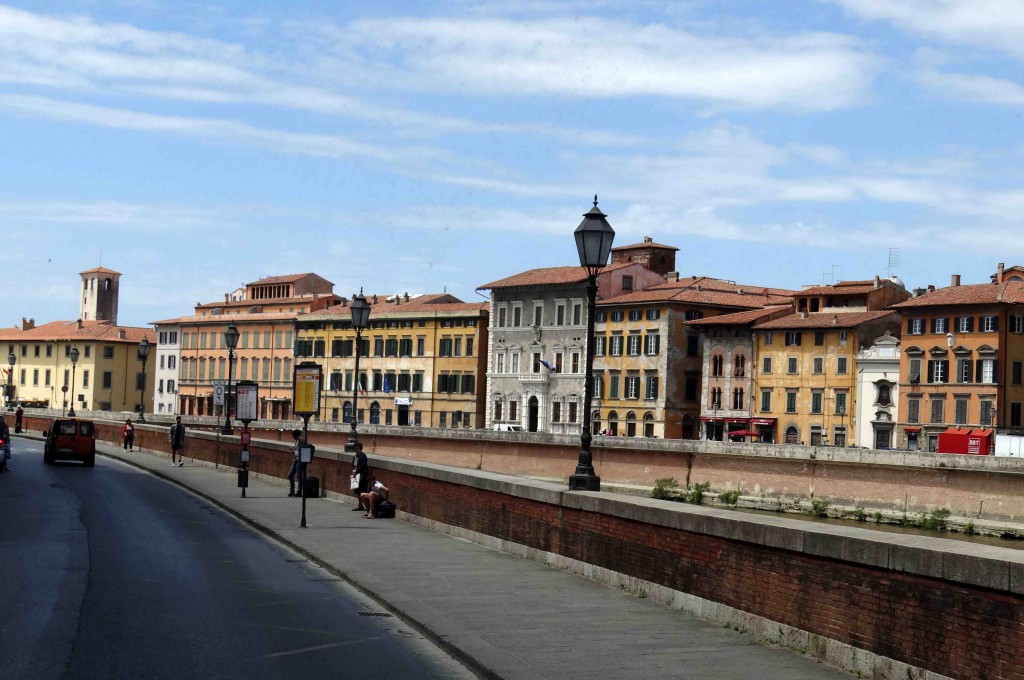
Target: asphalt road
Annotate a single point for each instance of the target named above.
(111, 573)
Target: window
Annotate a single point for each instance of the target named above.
(938, 371)
(513, 410)
(35, 375)
(790, 401)
(421, 346)
(517, 316)
(469, 346)
(737, 399)
(693, 315)
(1017, 324)
(791, 365)
(986, 411)
(627, 283)
(599, 343)
(766, 364)
(617, 315)
(739, 366)
(633, 345)
(575, 362)
(883, 394)
(46, 380)
(502, 313)
(636, 314)
(1018, 372)
(960, 411)
(536, 362)
(598, 386)
(632, 387)
(690, 387)
(692, 345)
(651, 391)
(577, 314)
(716, 398)
(613, 386)
(600, 316)
(819, 365)
(616, 346)
(841, 365)
(497, 410)
(108, 380)
(108, 352)
(989, 324)
(816, 397)
(766, 401)
(938, 409)
(987, 370)
(793, 338)
(940, 326)
(915, 326)
(556, 411)
(840, 400)
(444, 348)
(538, 314)
(717, 363)
(768, 337)
(85, 378)
(1015, 414)
(560, 314)
(140, 379)
(652, 344)
(819, 338)
(842, 337)
(914, 410)
(915, 371)
(572, 411)
(499, 363)
(964, 371)
(653, 314)
(965, 324)
(558, 362)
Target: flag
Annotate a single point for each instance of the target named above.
(547, 365)
(387, 385)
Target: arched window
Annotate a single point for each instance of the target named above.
(716, 398)
(375, 413)
(884, 397)
(737, 398)
(106, 284)
(595, 419)
(346, 411)
(613, 422)
(792, 435)
(739, 365)
(648, 424)
(630, 424)
(717, 363)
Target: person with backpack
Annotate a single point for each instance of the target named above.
(372, 499)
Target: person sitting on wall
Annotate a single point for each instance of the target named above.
(369, 499)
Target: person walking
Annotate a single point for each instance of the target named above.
(176, 436)
(294, 469)
(19, 417)
(5, 447)
(361, 467)
(128, 435)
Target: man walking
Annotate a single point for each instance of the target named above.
(294, 469)
(176, 436)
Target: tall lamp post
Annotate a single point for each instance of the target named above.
(231, 340)
(842, 424)
(11, 360)
(594, 239)
(74, 363)
(143, 355)
(360, 320)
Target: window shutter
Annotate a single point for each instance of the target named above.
(945, 370)
(995, 370)
(995, 323)
(931, 370)
(977, 369)
(970, 324)
(910, 326)
(969, 377)
(934, 323)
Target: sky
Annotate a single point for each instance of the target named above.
(428, 147)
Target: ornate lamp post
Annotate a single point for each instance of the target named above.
(594, 239)
(11, 360)
(360, 320)
(143, 355)
(231, 340)
(74, 363)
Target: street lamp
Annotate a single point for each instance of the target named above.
(11, 359)
(842, 424)
(360, 320)
(143, 355)
(74, 363)
(594, 243)
(231, 340)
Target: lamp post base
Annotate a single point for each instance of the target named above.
(584, 482)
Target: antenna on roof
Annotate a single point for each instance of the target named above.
(894, 260)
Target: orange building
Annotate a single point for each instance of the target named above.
(962, 361)
(265, 318)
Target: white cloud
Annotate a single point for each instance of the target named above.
(593, 58)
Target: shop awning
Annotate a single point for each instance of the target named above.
(762, 421)
(911, 429)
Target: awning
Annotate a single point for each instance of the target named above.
(738, 421)
(911, 429)
(762, 421)
(744, 433)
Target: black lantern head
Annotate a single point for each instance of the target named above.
(143, 349)
(74, 355)
(360, 311)
(594, 239)
(12, 359)
(231, 337)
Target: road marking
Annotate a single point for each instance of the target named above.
(318, 648)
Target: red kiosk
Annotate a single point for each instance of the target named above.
(978, 442)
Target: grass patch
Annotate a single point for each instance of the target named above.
(666, 489)
(695, 494)
(820, 506)
(729, 497)
(935, 520)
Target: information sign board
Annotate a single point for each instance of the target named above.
(247, 401)
(306, 391)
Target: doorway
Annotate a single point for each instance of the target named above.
(532, 414)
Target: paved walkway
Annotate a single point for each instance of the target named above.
(502, 616)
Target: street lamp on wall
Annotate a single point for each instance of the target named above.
(11, 360)
(74, 363)
(594, 239)
(360, 320)
(144, 347)
(231, 340)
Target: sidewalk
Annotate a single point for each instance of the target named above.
(502, 616)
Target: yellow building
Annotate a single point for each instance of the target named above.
(107, 376)
(422, 360)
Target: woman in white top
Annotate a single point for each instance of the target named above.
(369, 499)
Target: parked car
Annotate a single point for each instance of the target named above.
(507, 427)
(70, 439)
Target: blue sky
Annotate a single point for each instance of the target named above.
(417, 147)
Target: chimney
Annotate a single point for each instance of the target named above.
(648, 239)
(954, 280)
(27, 324)
(931, 287)
(672, 276)
(406, 296)
(835, 320)
(374, 300)
(79, 324)
(803, 315)
(999, 272)
(227, 298)
(878, 281)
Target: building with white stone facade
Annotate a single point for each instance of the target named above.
(878, 383)
(167, 356)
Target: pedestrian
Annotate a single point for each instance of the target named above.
(361, 467)
(176, 436)
(5, 449)
(128, 435)
(19, 416)
(376, 493)
(294, 469)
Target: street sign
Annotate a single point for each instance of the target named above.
(247, 401)
(306, 390)
(218, 395)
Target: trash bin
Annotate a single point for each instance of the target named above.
(243, 479)
(312, 487)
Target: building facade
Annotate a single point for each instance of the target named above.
(421, 361)
(166, 358)
(878, 382)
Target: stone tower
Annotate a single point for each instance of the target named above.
(99, 295)
(654, 256)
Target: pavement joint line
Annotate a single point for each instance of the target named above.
(455, 651)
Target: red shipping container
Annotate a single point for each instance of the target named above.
(978, 442)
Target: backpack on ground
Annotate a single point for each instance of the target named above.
(384, 510)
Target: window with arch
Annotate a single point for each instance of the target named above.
(737, 398)
(630, 424)
(595, 420)
(717, 364)
(613, 422)
(792, 435)
(375, 413)
(716, 398)
(884, 394)
(346, 411)
(648, 424)
(739, 365)
(106, 284)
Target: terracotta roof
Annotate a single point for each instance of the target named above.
(100, 331)
(1008, 292)
(739, 318)
(268, 302)
(845, 288)
(711, 283)
(715, 298)
(288, 278)
(548, 276)
(431, 303)
(824, 320)
(641, 246)
(100, 270)
(227, 319)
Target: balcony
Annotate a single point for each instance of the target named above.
(535, 378)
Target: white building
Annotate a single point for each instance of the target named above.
(878, 380)
(168, 352)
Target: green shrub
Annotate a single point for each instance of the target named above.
(936, 520)
(877, 516)
(859, 514)
(820, 506)
(729, 497)
(695, 494)
(665, 489)
(969, 528)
